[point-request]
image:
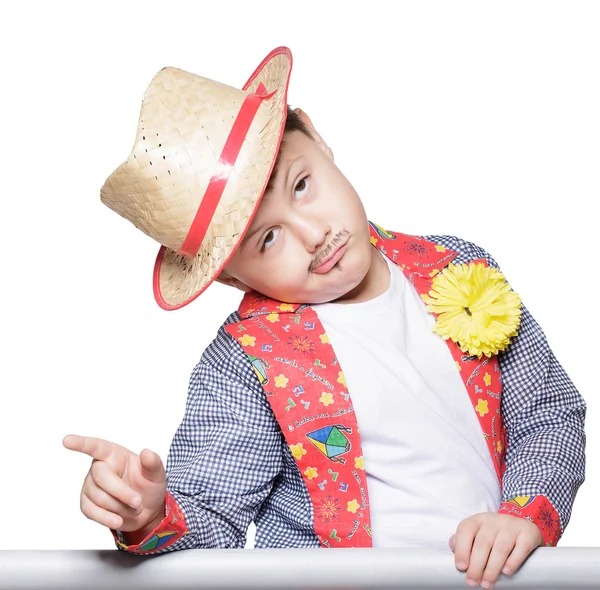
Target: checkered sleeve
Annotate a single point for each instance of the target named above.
(224, 457)
(544, 416)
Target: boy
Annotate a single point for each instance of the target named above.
(333, 307)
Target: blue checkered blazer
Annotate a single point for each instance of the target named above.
(229, 464)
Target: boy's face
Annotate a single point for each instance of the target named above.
(310, 212)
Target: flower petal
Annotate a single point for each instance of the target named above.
(475, 307)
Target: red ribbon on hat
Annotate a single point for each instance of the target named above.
(220, 176)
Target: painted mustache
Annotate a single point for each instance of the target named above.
(339, 240)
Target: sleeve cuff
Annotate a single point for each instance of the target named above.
(539, 511)
(169, 530)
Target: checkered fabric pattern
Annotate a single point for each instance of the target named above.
(229, 465)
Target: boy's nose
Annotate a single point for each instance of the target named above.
(313, 231)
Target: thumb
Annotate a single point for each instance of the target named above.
(152, 466)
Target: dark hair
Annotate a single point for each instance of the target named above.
(292, 123)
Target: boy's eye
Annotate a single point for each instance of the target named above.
(301, 186)
(267, 243)
(300, 190)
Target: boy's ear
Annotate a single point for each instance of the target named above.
(318, 139)
(226, 279)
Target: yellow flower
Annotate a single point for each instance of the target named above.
(482, 407)
(499, 446)
(359, 462)
(286, 307)
(298, 451)
(487, 379)
(458, 366)
(311, 472)
(434, 272)
(273, 317)
(476, 308)
(247, 340)
(324, 339)
(341, 379)
(353, 506)
(281, 381)
(326, 398)
(440, 248)
(373, 240)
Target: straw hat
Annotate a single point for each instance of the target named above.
(202, 157)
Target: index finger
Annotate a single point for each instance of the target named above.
(97, 448)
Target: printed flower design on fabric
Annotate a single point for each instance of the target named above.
(476, 308)
(298, 451)
(416, 248)
(359, 463)
(328, 509)
(482, 407)
(326, 398)
(311, 472)
(301, 344)
(353, 506)
(281, 381)
(548, 520)
(247, 340)
(536, 509)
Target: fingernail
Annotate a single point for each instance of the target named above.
(506, 570)
(135, 502)
(461, 565)
(486, 584)
(471, 582)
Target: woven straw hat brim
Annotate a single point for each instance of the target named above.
(162, 184)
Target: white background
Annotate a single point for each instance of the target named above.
(476, 119)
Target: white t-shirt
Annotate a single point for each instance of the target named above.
(427, 463)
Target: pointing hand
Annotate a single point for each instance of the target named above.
(122, 490)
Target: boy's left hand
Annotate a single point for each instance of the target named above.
(488, 543)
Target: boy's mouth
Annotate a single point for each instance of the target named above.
(336, 250)
(331, 261)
